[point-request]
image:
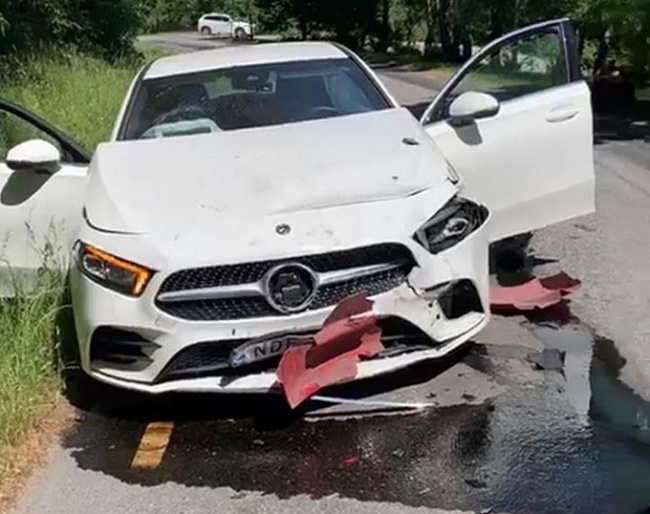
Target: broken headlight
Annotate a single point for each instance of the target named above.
(454, 222)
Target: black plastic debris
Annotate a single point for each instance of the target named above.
(548, 359)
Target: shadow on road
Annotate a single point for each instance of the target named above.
(623, 124)
(431, 458)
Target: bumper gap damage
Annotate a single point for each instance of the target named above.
(349, 334)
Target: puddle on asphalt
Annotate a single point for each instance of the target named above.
(592, 372)
(582, 447)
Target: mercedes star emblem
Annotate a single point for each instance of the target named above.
(290, 287)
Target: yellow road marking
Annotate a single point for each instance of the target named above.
(153, 445)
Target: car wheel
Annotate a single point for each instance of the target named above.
(206, 31)
(240, 33)
(80, 390)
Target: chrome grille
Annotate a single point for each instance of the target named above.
(232, 292)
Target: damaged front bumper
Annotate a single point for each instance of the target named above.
(134, 344)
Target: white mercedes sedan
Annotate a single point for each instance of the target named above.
(246, 192)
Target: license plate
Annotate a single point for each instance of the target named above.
(262, 350)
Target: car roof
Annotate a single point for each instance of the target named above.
(244, 55)
(215, 14)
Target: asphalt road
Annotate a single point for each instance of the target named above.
(497, 435)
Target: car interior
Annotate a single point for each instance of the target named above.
(258, 98)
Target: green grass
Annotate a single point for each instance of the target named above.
(80, 95)
(28, 378)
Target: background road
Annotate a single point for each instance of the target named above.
(499, 435)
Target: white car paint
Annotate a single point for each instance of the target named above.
(41, 218)
(223, 25)
(206, 60)
(337, 184)
(553, 178)
(261, 163)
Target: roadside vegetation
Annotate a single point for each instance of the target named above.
(28, 381)
(79, 94)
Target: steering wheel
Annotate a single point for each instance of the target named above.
(324, 110)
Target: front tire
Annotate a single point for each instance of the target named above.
(80, 390)
(240, 34)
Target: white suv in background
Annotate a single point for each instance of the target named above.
(222, 25)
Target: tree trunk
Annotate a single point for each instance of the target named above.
(443, 28)
(641, 53)
(496, 21)
(250, 17)
(430, 39)
(304, 27)
(385, 26)
(581, 41)
(603, 52)
(457, 32)
(467, 47)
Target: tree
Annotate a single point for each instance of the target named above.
(105, 27)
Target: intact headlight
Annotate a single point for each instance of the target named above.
(453, 223)
(112, 272)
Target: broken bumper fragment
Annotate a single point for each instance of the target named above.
(534, 294)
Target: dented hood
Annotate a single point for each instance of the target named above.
(185, 185)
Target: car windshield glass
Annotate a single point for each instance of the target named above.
(250, 96)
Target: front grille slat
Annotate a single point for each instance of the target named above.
(257, 307)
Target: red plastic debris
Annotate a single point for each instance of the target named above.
(351, 461)
(534, 294)
(357, 304)
(351, 332)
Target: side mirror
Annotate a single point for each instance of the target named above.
(472, 106)
(36, 155)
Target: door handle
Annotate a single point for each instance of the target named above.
(563, 114)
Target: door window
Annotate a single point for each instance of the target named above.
(526, 65)
(15, 130)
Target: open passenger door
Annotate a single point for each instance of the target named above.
(42, 192)
(516, 123)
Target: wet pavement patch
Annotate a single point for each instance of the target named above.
(575, 442)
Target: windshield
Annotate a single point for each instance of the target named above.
(250, 96)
